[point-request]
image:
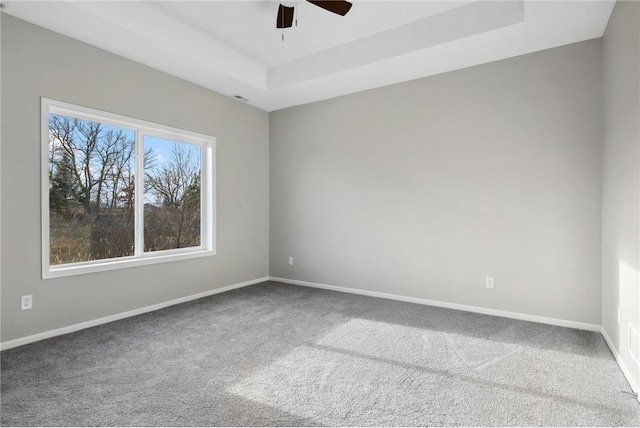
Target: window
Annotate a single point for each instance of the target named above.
(121, 192)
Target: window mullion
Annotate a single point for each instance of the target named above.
(139, 195)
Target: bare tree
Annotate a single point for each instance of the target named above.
(174, 220)
(100, 158)
(92, 193)
(90, 165)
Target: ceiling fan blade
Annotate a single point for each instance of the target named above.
(285, 17)
(341, 7)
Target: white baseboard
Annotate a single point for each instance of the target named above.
(87, 324)
(632, 382)
(477, 309)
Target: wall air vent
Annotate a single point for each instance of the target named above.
(240, 98)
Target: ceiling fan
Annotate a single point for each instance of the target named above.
(285, 13)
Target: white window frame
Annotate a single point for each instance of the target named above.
(141, 129)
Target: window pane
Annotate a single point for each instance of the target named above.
(171, 194)
(91, 189)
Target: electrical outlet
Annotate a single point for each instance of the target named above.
(290, 261)
(490, 283)
(26, 302)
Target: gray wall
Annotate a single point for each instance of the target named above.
(621, 178)
(424, 188)
(39, 63)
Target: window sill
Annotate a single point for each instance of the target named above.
(121, 263)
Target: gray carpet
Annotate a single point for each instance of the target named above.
(274, 354)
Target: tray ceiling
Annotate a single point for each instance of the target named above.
(233, 47)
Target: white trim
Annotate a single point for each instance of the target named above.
(92, 323)
(476, 309)
(44, 186)
(632, 382)
(138, 196)
(147, 127)
(208, 184)
(141, 129)
(126, 262)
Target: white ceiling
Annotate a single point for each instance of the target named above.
(233, 47)
(249, 27)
